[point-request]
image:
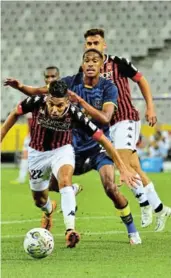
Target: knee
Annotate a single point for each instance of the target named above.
(110, 186)
(65, 181)
(136, 168)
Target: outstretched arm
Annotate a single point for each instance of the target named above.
(103, 116)
(150, 114)
(8, 124)
(27, 90)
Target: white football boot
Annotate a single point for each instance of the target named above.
(161, 218)
(134, 238)
(146, 216)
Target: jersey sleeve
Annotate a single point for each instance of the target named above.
(28, 105)
(84, 122)
(127, 69)
(73, 80)
(68, 80)
(110, 94)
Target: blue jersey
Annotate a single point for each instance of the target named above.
(104, 92)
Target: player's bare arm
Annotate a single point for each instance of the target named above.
(8, 124)
(126, 176)
(104, 116)
(27, 90)
(150, 114)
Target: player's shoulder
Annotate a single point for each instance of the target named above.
(35, 100)
(39, 98)
(73, 79)
(118, 59)
(73, 109)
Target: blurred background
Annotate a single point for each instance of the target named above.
(36, 35)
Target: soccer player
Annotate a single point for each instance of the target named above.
(101, 94)
(23, 167)
(50, 148)
(125, 125)
(51, 73)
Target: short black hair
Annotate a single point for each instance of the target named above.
(58, 89)
(94, 32)
(93, 50)
(52, 67)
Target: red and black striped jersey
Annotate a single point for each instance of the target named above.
(119, 70)
(47, 133)
(29, 120)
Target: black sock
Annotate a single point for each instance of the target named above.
(144, 204)
(159, 208)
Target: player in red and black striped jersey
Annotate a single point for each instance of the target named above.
(125, 125)
(51, 73)
(50, 148)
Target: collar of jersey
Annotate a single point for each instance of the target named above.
(88, 87)
(106, 58)
(91, 87)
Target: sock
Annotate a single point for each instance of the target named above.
(68, 204)
(159, 208)
(127, 219)
(75, 187)
(47, 208)
(140, 194)
(152, 196)
(23, 170)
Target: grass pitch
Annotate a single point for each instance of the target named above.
(103, 251)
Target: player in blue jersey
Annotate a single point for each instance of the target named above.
(101, 96)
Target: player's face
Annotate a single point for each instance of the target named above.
(56, 106)
(96, 42)
(50, 75)
(92, 63)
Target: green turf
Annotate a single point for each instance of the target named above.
(103, 252)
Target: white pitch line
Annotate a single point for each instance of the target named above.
(10, 222)
(85, 234)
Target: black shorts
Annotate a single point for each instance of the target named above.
(93, 160)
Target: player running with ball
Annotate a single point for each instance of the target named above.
(50, 149)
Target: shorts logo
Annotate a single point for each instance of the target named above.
(129, 144)
(72, 213)
(130, 128)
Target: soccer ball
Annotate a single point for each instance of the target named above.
(38, 243)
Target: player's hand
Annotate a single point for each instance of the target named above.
(14, 83)
(150, 116)
(130, 179)
(73, 97)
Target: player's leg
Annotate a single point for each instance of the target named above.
(162, 212)
(124, 136)
(23, 167)
(39, 163)
(81, 167)
(106, 170)
(63, 164)
(139, 191)
(43, 201)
